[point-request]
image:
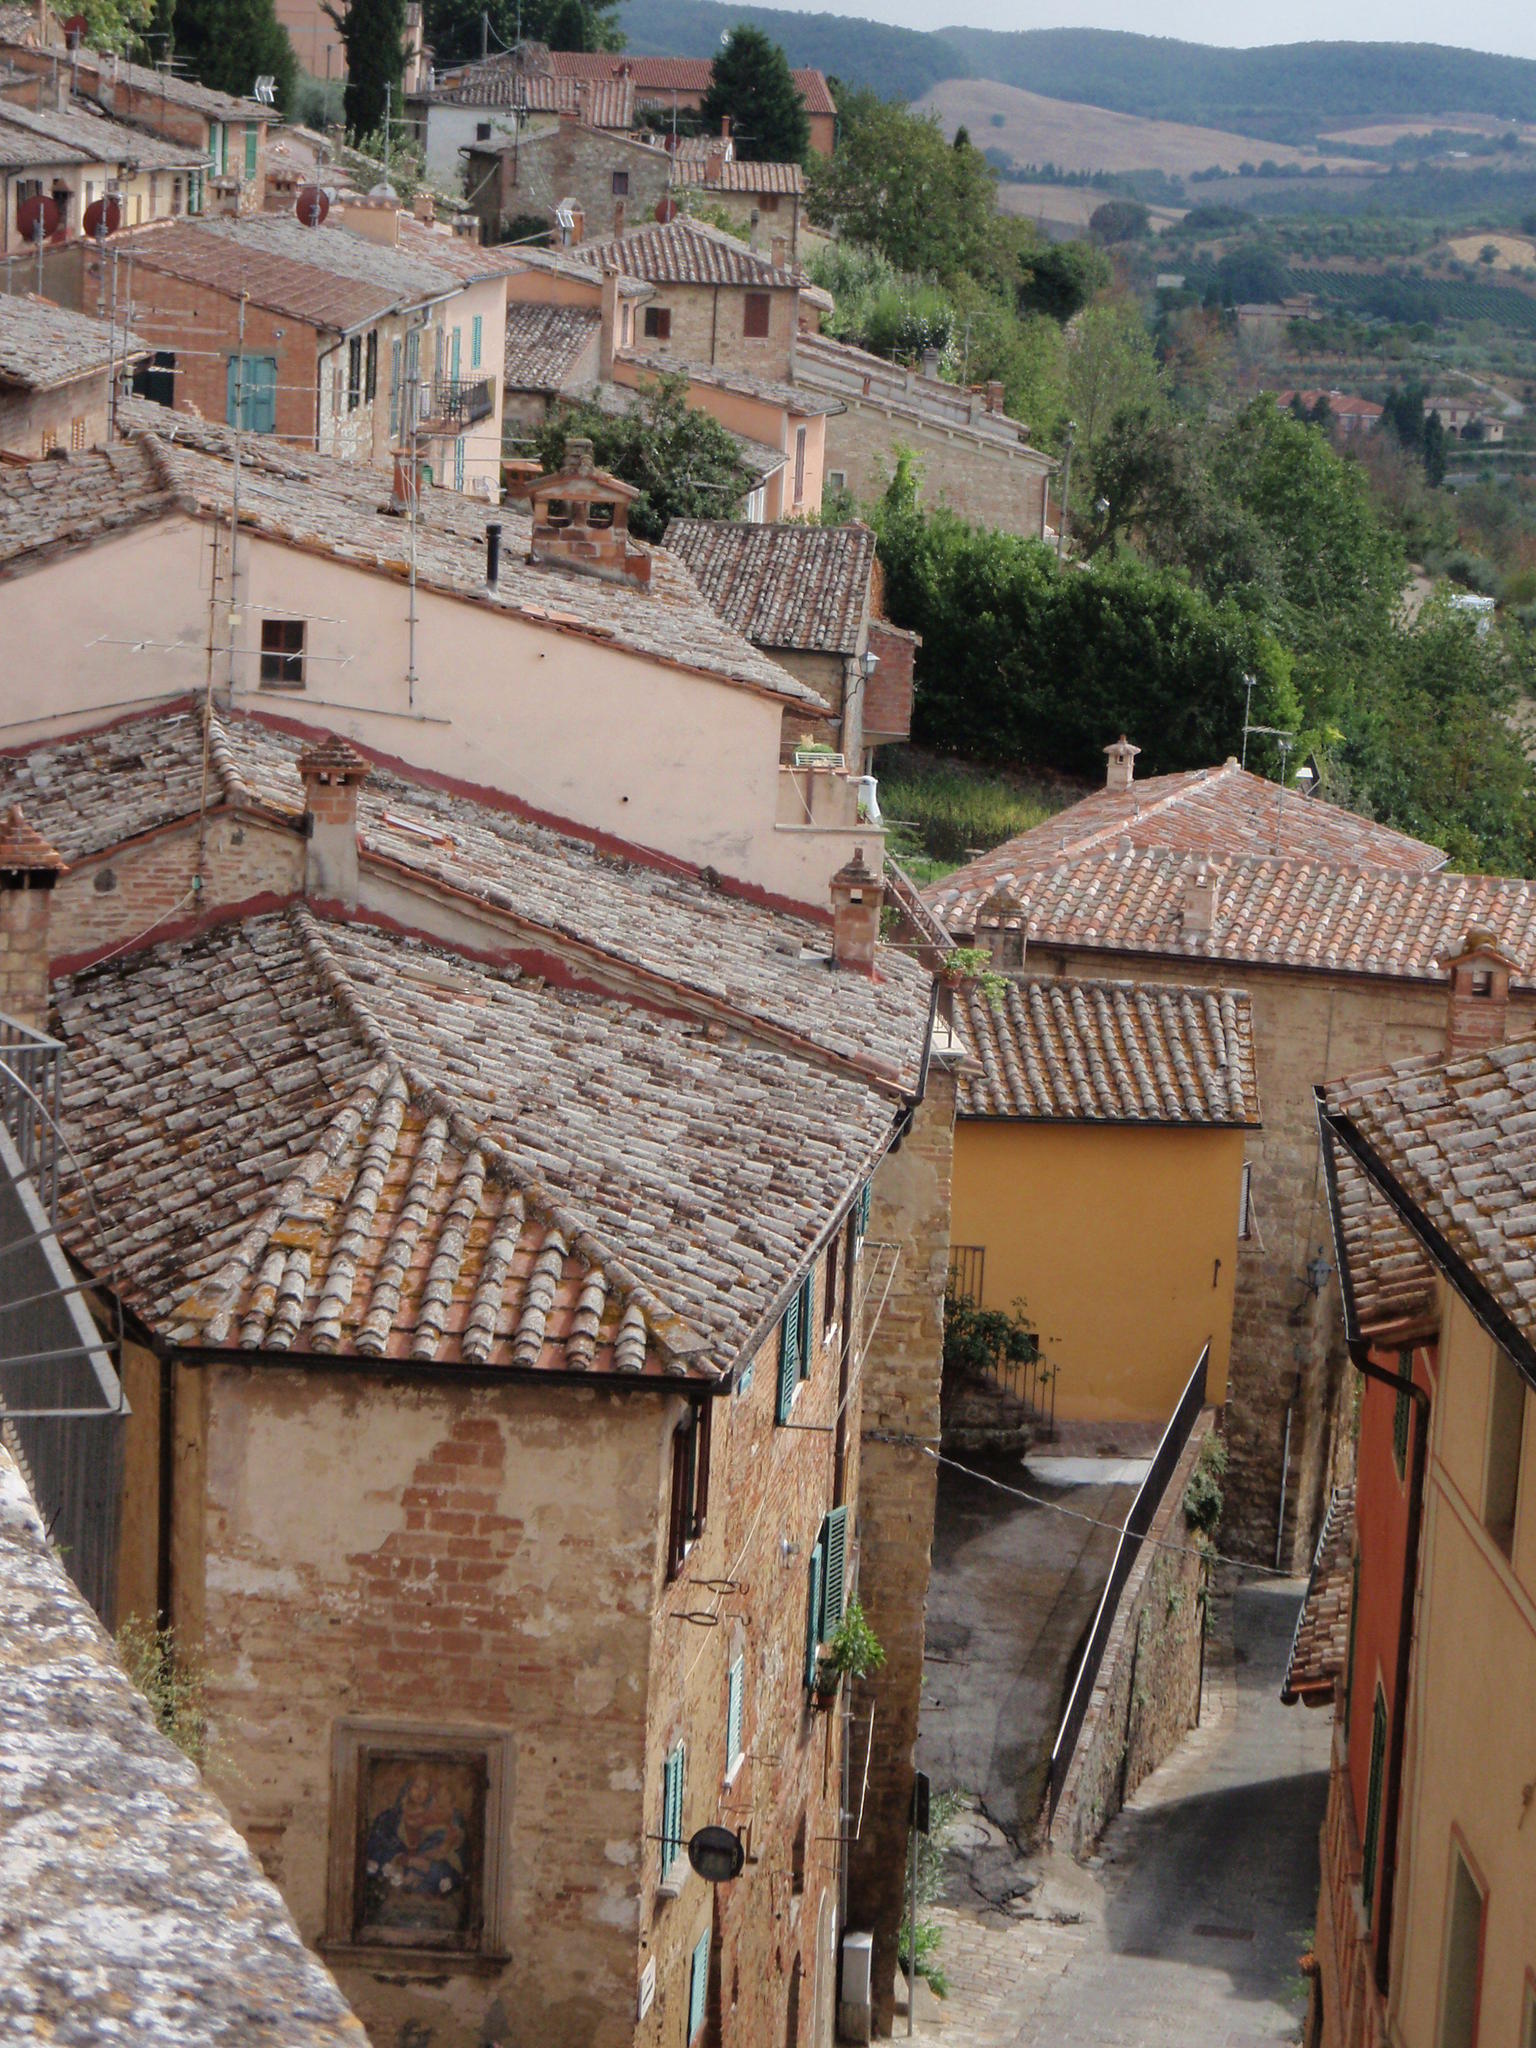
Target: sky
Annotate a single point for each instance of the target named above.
(1499, 25)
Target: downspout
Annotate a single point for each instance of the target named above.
(714, 322)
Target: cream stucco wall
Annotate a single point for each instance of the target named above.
(1121, 1241)
(1472, 1738)
(620, 744)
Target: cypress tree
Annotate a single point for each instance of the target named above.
(752, 83)
(373, 32)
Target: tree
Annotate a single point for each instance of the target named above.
(1120, 220)
(751, 84)
(229, 44)
(116, 24)
(1251, 276)
(1060, 280)
(568, 29)
(684, 464)
(1110, 367)
(453, 27)
(373, 33)
(894, 184)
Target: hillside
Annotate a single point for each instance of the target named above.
(1284, 93)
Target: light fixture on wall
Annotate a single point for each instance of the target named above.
(1318, 1270)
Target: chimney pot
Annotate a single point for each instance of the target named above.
(332, 773)
(493, 553)
(1201, 888)
(780, 249)
(1121, 768)
(858, 896)
(1478, 1012)
(608, 320)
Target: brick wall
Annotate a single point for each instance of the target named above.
(708, 324)
(897, 1492)
(979, 479)
(74, 416)
(572, 161)
(202, 327)
(888, 693)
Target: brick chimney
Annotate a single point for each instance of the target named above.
(29, 867)
(333, 773)
(1120, 770)
(857, 899)
(1201, 889)
(608, 323)
(581, 521)
(994, 395)
(1478, 1012)
(778, 248)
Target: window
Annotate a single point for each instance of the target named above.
(799, 464)
(251, 394)
(1371, 1839)
(735, 1686)
(621, 184)
(1245, 1202)
(861, 1212)
(371, 371)
(837, 479)
(458, 464)
(690, 1487)
(77, 431)
(453, 353)
(1506, 1428)
(829, 1297)
(354, 373)
(813, 1614)
(754, 315)
(658, 323)
(476, 340)
(396, 359)
(156, 379)
(698, 1986)
(48, 440)
(1402, 1415)
(1354, 1616)
(250, 149)
(194, 192)
(415, 1851)
(1461, 1974)
(482, 131)
(826, 1587)
(768, 202)
(673, 1775)
(282, 654)
(795, 1342)
(176, 199)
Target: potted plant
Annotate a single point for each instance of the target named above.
(853, 1650)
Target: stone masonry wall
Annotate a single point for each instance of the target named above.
(980, 481)
(708, 324)
(73, 416)
(1147, 1696)
(898, 1489)
(573, 161)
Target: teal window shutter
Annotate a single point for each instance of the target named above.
(813, 1616)
(250, 149)
(807, 1305)
(458, 464)
(735, 1685)
(861, 1212)
(789, 1358)
(476, 340)
(454, 354)
(672, 1809)
(834, 1548)
(698, 1986)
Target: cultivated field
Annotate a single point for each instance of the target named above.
(1069, 206)
(1382, 134)
(1515, 252)
(1036, 130)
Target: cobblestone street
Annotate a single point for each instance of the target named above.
(1188, 1929)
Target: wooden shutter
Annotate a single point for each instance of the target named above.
(834, 1548)
(813, 1615)
(735, 1686)
(861, 1211)
(807, 1322)
(698, 1985)
(789, 1357)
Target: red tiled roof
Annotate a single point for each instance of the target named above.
(1390, 1279)
(687, 251)
(314, 291)
(785, 585)
(23, 850)
(545, 343)
(1320, 1645)
(601, 102)
(679, 74)
(737, 177)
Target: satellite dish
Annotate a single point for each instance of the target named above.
(725, 37)
(311, 206)
(37, 218)
(74, 31)
(103, 216)
(666, 209)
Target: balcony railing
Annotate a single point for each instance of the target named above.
(30, 1066)
(454, 403)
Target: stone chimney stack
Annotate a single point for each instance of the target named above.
(1120, 769)
(29, 867)
(608, 323)
(1478, 1012)
(581, 521)
(858, 896)
(333, 773)
(779, 250)
(1201, 889)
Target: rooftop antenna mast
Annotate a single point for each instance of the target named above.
(234, 501)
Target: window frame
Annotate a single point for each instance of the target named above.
(371, 367)
(674, 1794)
(657, 323)
(354, 372)
(689, 1486)
(800, 447)
(1461, 1861)
(619, 185)
(735, 1714)
(797, 1343)
(698, 1988)
(283, 652)
(1506, 1387)
(1370, 1833)
(756, 316)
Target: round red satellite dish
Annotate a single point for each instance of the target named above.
(37, 218)
(666, 209)
(311, 206)
(104, 216)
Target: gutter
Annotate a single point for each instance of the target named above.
(1358, 1348)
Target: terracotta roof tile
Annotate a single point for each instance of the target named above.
(177, 92)
(794, 398)
(839, 370)
(316, 280)
(678, 74)
(43, 345)
(22, 849)
(545, 344)
(711, 175)
(601, 102)
(1320, 1645)
(98, 138)
(1055, 1051)
(684, 251)
(1389, 1276)
(783, 585)
(1221, 812)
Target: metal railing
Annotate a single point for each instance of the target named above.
(1028, 1380)
(1138, 1521)
(457, 401)
(30, 1069)
(967, 1267)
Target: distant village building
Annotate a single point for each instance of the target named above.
(68, 158)
(1349, 416)
(763, 199)
(564, 170)
(667, 85)
(56, 375)
(1469, 418)
(499, 104)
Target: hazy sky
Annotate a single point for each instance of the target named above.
(1475, 25)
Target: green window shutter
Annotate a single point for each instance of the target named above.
(807, 1306)
(698, 1986)
(789, 1358)
(735, 1685)
(1400, 1419)
(1372, 1833)
(813, 1615)
(834, 1548)
(672, 1808)
(453, 355)
(861, 1212)
(458, 464)
(250, 149)
(476, 340)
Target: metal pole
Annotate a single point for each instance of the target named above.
(1248, 683)
(1066, 485)
(911, 1930)
(234, 499)
(37, 236)
(1285, 1467)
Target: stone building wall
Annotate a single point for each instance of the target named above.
(617, 183)
(709, 326)
(979, 479)
(898, 1489)
(72, 416)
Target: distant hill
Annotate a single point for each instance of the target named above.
(1286, 93)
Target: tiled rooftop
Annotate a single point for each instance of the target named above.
(703, 949)
(843, 371)
(335, 507)
(567, 263)
(42, 345)
(1320, 1645)
(317, 280)
(132, 1910)
(100, 140)
(602, 102)
(1220, 812)
(177, 91)
(1390, 1280)
(793, 397)
(784, 585)
(1457, 1138)
(679, 74)
(312, 1137)
(1056, 1051)
(545, 343)
(1276, 913)
(684, 251)
(734, 176)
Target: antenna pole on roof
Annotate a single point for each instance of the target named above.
(1248, 683)
(234, 500)
(485, 35)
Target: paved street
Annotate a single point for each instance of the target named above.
(1189, 1929)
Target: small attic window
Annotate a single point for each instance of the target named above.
(1482, 981)
(601, 512)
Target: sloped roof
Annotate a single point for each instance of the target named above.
(1272, 913)
(794, 398)
(1219, 812)
(1388, 1277)
(42, 345)
(1456, 1141)
(101, 140)
(1057, 1051)
(783, 585)
(177, 91)
(1320, 1645)
(685, 251)
(545, 343)
(371, 1146)
(732, 175)
(853, 374)
(678, 74)
(330, 506)
(601, 102)
(316, 281)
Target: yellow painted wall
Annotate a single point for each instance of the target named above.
(1112, 1235)
(1472, 1741)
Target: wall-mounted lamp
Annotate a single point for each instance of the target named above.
(1318, 1270)
(869, 661)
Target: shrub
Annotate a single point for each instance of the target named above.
(948, 812)
(172, 1682)
(1203, 1497)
